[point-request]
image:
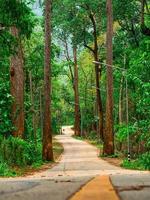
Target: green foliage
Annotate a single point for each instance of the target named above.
(17, 13)
(92, 135)
(141, 163)
(122, 131)
(144, 160)
(17, 152)
(5, 109)
(14, 13)
(6, 171)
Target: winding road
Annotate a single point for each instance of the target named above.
(78, 166)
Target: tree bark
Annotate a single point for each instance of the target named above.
(76, 92)
(98, 71)
(98, 77)
(69, 60)
(47, 127)
(32, 108)
(17, 87)
(41, 113)
(108, 148)
(74, 79)
(99, 102)
(144, 29)
(120, 102)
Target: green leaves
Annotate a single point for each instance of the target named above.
(5, 109)
(141, 163)
(17, 152)
(17, 13)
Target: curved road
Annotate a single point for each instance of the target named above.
(78, 165)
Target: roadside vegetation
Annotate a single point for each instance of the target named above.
(20, 158)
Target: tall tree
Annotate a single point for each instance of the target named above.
(109, 135)
(16, 21)
(98, 69)
(17, 86)
(76, 92)
(47, 127)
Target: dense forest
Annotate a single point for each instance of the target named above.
(74, 62)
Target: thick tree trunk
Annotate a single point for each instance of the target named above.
(109, 135)
(17, 87)
(76, 92)
(47, 129)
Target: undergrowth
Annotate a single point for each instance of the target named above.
(17, 155)
(141, 163)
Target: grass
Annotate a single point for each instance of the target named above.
(14, 171)
(6, 171)
(141, 163)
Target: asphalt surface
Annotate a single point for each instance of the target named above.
(132, 187)
(79, 164)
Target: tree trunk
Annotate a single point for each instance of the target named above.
(17, 87)
(32, 108)
(109, 135)
(76, 92)
(69, 60)
(120, 102)
(47, 129)
(99, 101)
(98, 77)
(41, 113)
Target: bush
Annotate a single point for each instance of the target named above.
(5, 108)
(92, 136)
(141, 163)
(6, 171)
(122, 131)
(17, 152)
(139, 140)
(144, 160)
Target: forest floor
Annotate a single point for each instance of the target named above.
(81, 170)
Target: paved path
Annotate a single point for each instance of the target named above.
(79, 164)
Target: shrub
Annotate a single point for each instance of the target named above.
(141, 163)
(92, 135)
(122, 132)
(5, 108)
(17, 152)
(144, 160)
(6, 171)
